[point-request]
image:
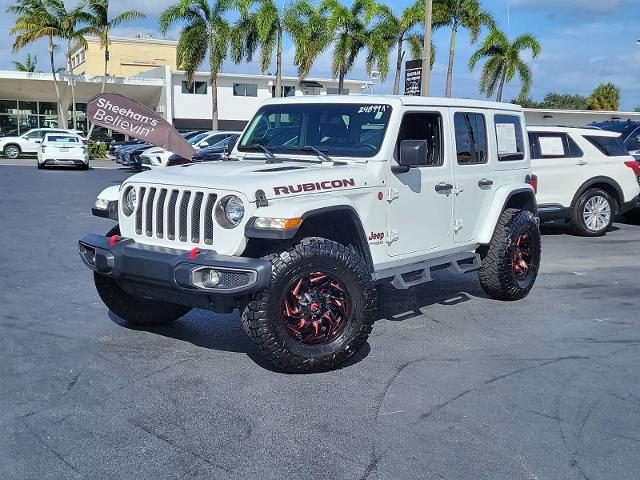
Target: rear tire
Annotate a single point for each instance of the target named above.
(319, 309)
(136, 310)
(593, 214)
(510, 266)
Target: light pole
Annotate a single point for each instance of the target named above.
(426, 60)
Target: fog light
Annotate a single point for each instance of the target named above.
(89, 254)
(211, 279)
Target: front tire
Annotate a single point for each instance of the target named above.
(133, 309)
(12, 152)
(319, 309)
(512, 260)
(593, 214)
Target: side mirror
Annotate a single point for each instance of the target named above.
(37, 140)
(413, 153)
(204, 144)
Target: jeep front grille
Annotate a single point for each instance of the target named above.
(183, 215)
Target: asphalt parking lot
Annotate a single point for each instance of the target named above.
(452, 385)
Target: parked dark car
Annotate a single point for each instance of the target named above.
(629, 134)
(208, 154)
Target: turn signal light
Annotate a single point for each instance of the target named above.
(278, 223)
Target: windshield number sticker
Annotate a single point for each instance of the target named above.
(373, 108)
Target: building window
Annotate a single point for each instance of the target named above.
(471, 138)
(334, 91)
(18, 117)
(198, 88)
(245, 90)
(287, 91)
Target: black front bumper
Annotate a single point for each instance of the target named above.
(175, 275)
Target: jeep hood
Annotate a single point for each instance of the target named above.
(247, 176)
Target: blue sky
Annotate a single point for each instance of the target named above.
(584, 43)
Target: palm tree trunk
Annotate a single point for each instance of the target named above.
(501, 85)
(62, 117)
(104, 79)
(214, 103)
(341, 81)
(396, 83)
(452, 52)
(279, 65)
(73, 88)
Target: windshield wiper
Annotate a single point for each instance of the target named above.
(268, 152)
(317, 151)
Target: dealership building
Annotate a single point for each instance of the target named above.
(144, 69)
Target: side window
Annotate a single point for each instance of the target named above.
(553, 145)
(471, 138)
(423, 126)
(633, 142)
(36, 134)
(509, 138)
(610, 146)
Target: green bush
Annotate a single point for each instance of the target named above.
(97, 150)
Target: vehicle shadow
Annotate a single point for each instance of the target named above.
(224, 333)
(560, 228)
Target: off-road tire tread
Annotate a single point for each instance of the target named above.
(135, 310)
(496, 274)
(255, 314)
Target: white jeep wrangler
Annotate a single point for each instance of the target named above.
(320, 200)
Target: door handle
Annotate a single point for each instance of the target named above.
(443, 187)
(582, 162)
(485, 182)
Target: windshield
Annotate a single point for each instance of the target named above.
(197, 138)
(341, 129)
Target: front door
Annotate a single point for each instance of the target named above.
(420, 201)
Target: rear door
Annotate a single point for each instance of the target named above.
(473, 166)
(32, 140)
(561, 167)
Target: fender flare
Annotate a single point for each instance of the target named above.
(501, 199)
(601, 179)
(272, 234)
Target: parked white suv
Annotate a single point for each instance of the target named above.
(585, 176)
(320, 199)
(29, 142)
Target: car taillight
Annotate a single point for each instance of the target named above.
(533, 181)
(633, 165)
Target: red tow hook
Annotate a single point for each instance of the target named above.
(113, 240)
(194, 253)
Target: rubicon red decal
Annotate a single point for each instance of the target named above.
(312, 187)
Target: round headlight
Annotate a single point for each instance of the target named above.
(230, 211)
(131, 200)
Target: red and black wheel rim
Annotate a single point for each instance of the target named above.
(315, 308)
(522, 256)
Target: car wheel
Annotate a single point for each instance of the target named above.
(510, 263)
(319, 309)
(593, 214)
(12, 151)
(135, 310)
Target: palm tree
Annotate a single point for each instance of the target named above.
(261, 28)
(460, 14)
(36, 20)
(205, 30)
(605, 97)
(307, 27)
(400, 31)
(69, 21)
(29, 65)
(503, 62)
(101, 25)
(350, 27)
